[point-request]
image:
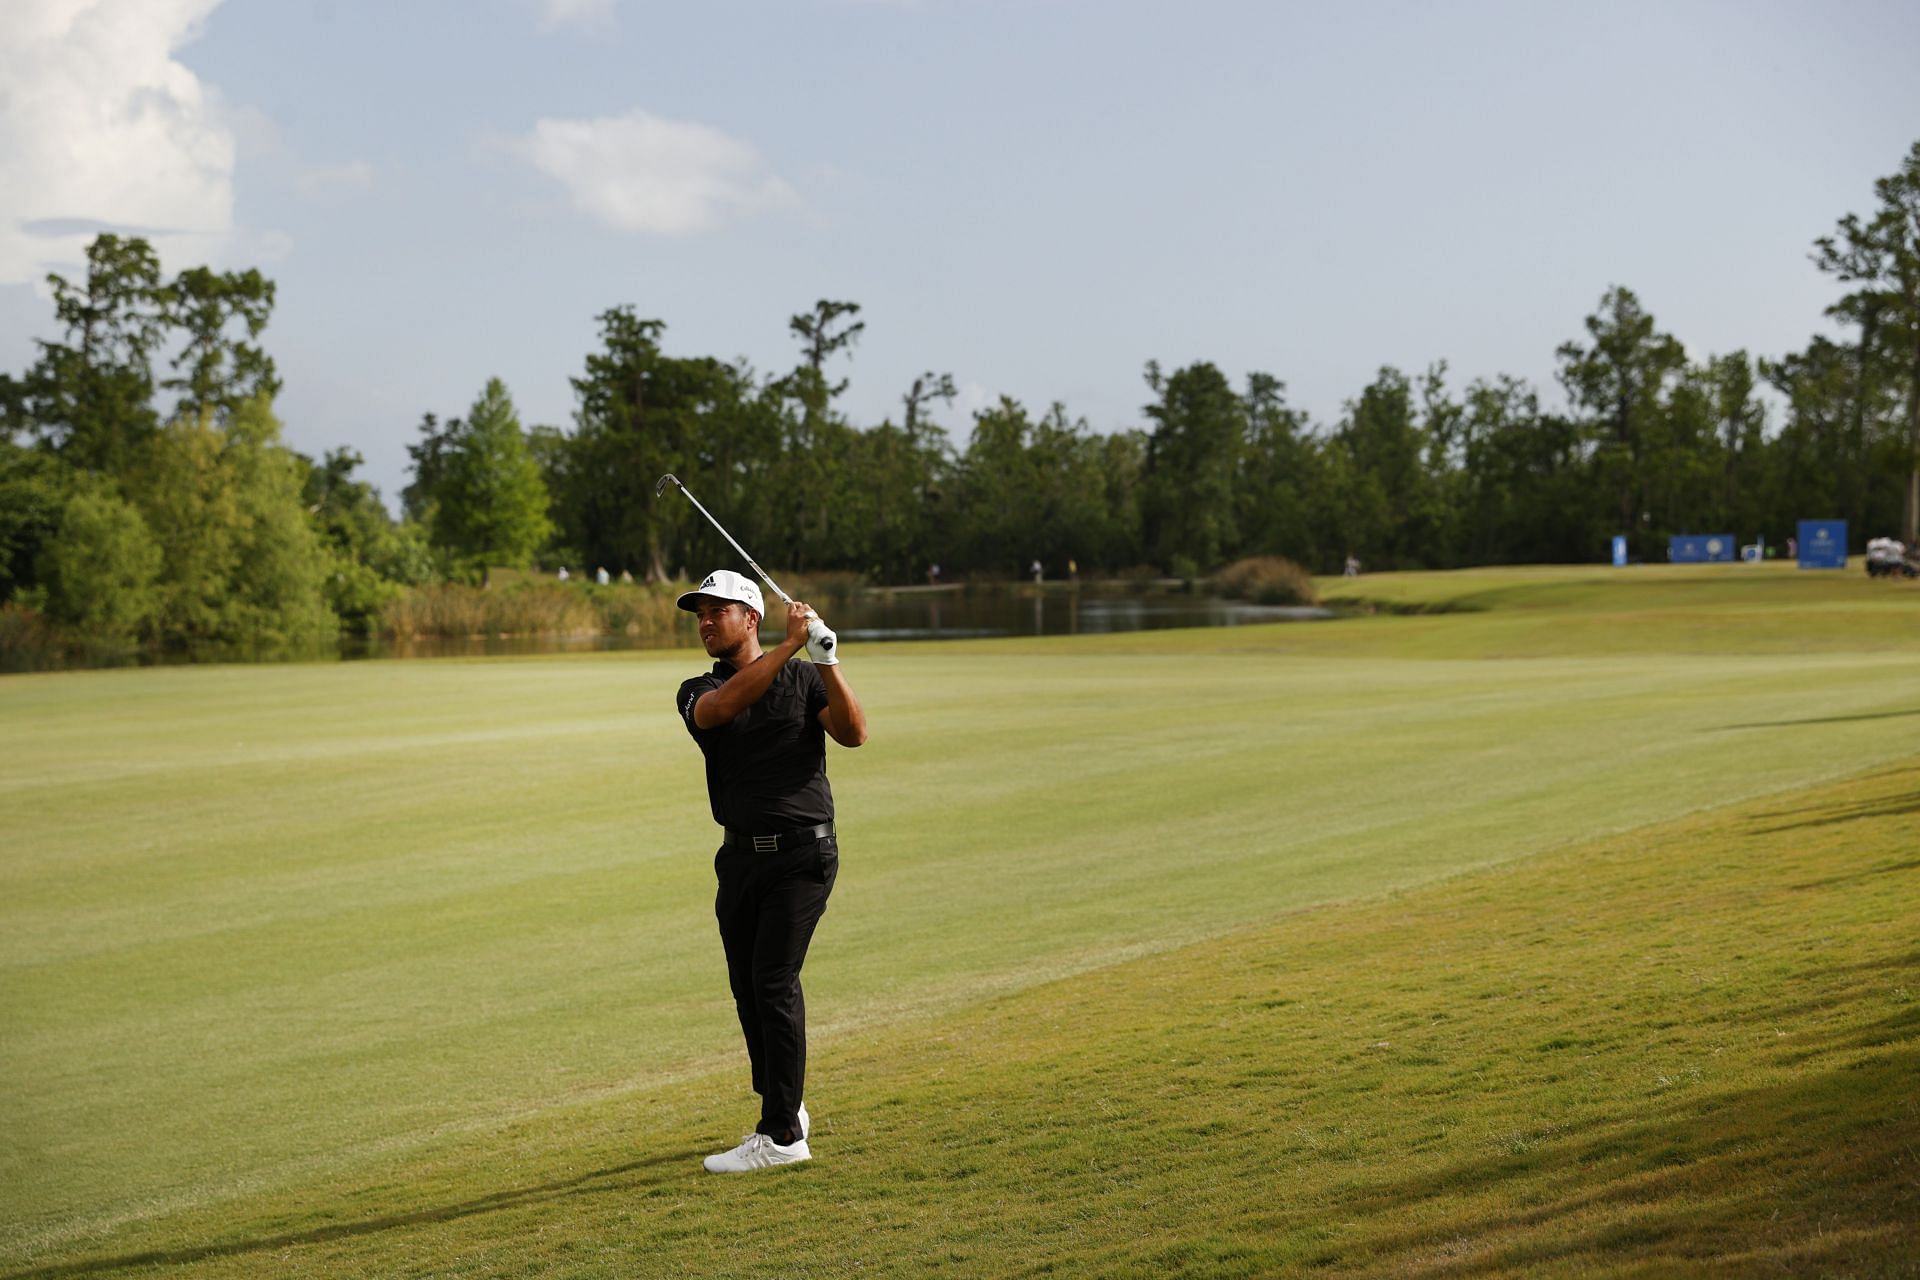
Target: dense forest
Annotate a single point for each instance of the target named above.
(146, 493)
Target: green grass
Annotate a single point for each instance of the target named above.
(1534, 611)
(395, 968)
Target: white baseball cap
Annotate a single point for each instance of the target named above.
(725, 584)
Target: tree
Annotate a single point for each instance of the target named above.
(102, 566)
(1740, 420)
(1621, 381)
(1881, 255)
(1527, 493)
(242, 563)
(33, 493)
(642, 413)
(1391, 510)
(88, 395)
(488, 505)
(429, 454)
(1824, 459)
(1278, 477)
(926, 388)
(824, 332)
(372, 554)
(1198, 438)
(822, 336)
(215, 371)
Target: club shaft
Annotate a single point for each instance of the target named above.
(764, 577)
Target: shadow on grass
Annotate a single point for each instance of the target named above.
(1788, 724)
(1830, 815)
(1821, 1171)
(1885, 869)
(521, 1197)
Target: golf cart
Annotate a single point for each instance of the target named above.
(1888, 558)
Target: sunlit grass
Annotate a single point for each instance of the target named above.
(362, 957)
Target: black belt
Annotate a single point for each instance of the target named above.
(779, 840)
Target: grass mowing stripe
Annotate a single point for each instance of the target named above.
(1121, 822)
(1689, 1049)
(413, 967)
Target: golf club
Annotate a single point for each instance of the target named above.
(815, 628)
(670, 478)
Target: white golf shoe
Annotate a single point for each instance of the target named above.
(757, 1151)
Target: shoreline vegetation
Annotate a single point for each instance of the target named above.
(524, 604)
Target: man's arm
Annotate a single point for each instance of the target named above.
(842, 717)
(750, 683)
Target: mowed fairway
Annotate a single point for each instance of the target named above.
(1577, 931)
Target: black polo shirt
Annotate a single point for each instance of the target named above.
(767, 770)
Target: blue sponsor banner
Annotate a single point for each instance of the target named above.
(1619, 551)
(1698, 548)
(1823, 544)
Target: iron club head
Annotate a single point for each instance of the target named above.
(665, 480)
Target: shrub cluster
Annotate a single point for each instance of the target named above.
(1266, 580)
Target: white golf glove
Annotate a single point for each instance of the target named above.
(822, 645)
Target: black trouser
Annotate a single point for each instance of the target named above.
(768, 905)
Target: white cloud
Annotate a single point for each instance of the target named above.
(582, 13)
(100, 129)
(639, 172)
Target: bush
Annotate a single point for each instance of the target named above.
(102, 565)
(358, 594)
(28, 641)
(1266, 580)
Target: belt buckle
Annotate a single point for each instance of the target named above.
(766, 844)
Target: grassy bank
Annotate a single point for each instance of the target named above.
(1686, 1051)
(395, 968)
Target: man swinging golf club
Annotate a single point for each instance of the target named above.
(762, 722)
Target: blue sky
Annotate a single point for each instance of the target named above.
(1036, 197)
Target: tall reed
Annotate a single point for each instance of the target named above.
(532, 608)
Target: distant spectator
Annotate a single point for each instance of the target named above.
(601, 577)
(933, 574)
(564, 575)
(1073, 568)
(1037, 571)
(626, 576)
(1353, 567)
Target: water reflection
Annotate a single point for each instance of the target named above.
(939, 613)
(951, 613)
(943, 613)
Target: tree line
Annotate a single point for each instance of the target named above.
(146, 491)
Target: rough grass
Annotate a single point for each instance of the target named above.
(1165, 956)
(1267, 580)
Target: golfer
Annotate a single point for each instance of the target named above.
(762, 721)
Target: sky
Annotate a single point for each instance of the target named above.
(1036, 196)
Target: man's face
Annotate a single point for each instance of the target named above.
(724, 625)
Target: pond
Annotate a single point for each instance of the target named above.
(914, 613)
